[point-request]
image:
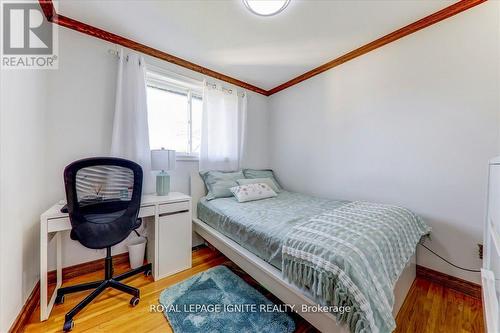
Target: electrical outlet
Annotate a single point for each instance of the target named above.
(480, 250)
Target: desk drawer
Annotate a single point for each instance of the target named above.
(147, 211)
(63, 223)
(174, 207)
(58, 224)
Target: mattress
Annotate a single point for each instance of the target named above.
(261, 226)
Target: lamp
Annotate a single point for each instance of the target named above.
(266, 7)
(162, 159)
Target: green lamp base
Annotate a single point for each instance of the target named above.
(162, 183)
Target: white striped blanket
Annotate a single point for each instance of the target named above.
(353, 256)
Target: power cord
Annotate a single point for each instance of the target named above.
(449, 262)
(143, 229)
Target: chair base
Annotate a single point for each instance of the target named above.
(100, 286)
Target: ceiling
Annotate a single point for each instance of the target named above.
(224, 36)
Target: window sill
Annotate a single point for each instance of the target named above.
(187, 158)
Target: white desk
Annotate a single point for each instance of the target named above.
(168, 219)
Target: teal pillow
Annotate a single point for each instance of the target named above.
(268, 173)
(218, 183)
(267, 181)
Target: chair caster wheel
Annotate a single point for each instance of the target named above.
(59, 299)
(134, 301)
(148, 273)
(68, 325)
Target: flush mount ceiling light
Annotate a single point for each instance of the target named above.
(266, 7)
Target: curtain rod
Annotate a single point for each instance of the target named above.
(228, 90)
(116, 53)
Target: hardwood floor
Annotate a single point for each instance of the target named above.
(433, 308)
(428, 307)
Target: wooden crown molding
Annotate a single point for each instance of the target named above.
(454, 9)
(64, 21)
(389, 38)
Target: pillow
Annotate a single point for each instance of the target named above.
(218, 183)
(253, 173)
(251, 192)
(267, 181)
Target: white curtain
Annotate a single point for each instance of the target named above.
(130, 138)
(223, 128)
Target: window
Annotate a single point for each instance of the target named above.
(174, 115)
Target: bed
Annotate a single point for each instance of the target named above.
(245, 234)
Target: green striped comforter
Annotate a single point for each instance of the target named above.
(352, 256)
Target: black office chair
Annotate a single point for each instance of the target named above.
(103, 196)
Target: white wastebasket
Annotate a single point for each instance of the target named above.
(136, 250)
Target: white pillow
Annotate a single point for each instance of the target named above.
(267, 181)
(251, 192)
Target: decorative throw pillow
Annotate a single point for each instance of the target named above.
(251, 192)
(268, 173)
(267, 181)
(219, 183)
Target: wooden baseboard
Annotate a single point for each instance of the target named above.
(86, 267)
(26, 311)
(463, 286)
(68, 272)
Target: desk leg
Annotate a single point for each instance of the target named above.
(43, 270)
(151, 248)
(59, 259)
(52, 299)
(46, 305)
(156, 246)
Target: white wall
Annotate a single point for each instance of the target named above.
(413, 123)
(22, 186)
(80, 116)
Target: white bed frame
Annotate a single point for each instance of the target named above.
(271, 278)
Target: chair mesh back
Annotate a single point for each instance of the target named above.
(104, 183)
(103, 195)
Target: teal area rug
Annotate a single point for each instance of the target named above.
(217, 300)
